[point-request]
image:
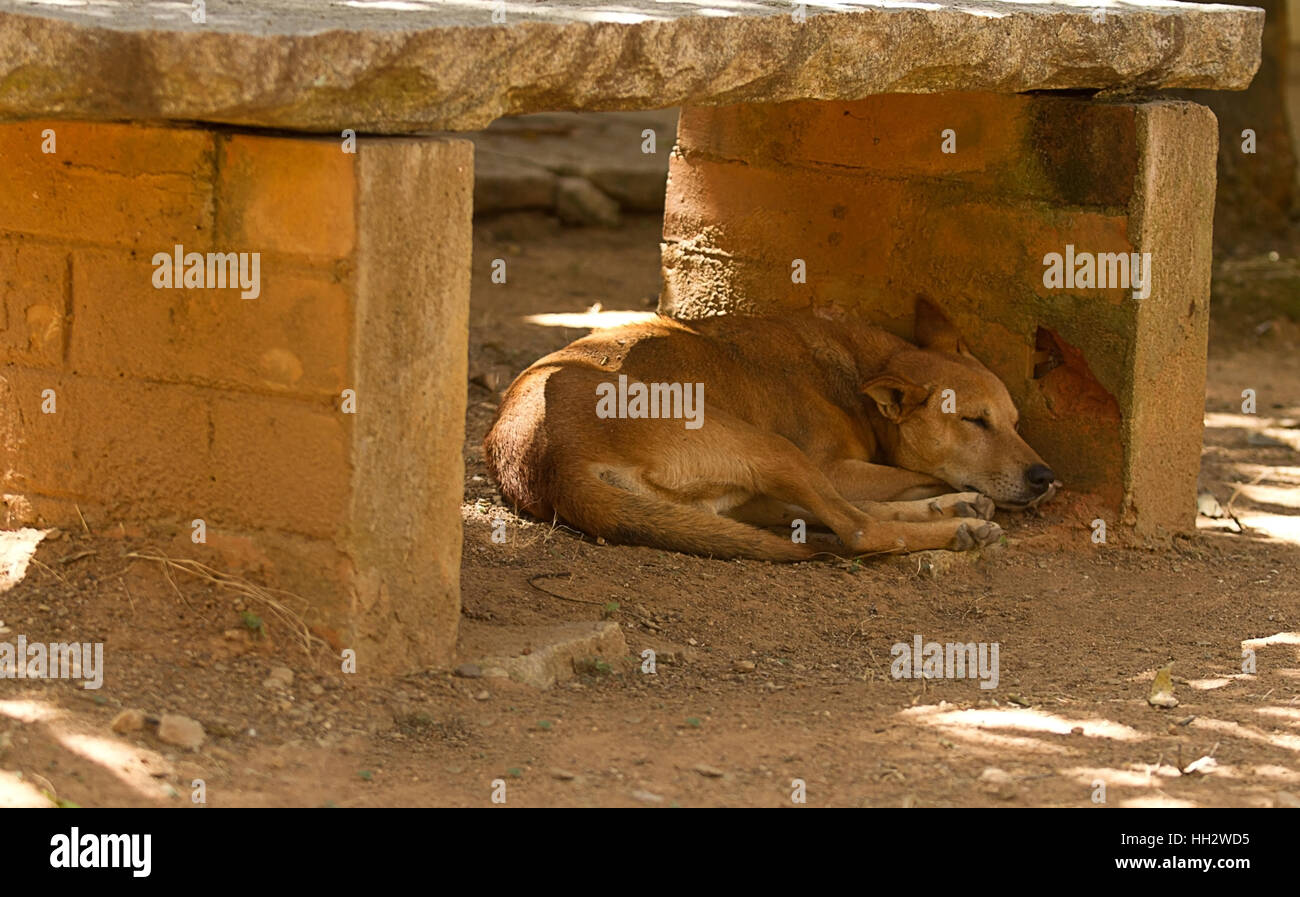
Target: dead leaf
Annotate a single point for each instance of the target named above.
(1162, 689)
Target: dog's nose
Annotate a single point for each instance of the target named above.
(1040, 477)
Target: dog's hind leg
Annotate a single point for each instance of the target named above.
(767, 465)
(626, 515)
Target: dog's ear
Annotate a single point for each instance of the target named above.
(934, 331)
(895, 396)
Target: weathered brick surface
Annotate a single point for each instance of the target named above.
(148, 451)
(135, 447)
(118, 185)
(33, 302)
(292, 339)
(281, 194)
(1006, 145)
(415, 203)
(175, 404)
(834, 223)
(1163, 428)
(863, 193)
(279, 464)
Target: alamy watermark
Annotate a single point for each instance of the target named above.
(953, 660)
(1098, 271)
(89, 851)
(53, 660)
(212, 271)
(684, 401)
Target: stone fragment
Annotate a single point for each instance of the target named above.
(180, 730)
(553, 652)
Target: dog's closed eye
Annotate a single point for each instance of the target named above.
(977, 421)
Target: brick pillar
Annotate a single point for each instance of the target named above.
(196, 403)
(1111, 387)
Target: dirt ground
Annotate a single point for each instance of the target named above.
(766, 674)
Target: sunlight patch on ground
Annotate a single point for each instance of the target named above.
(1237, 730)
(135, 767)
(998, 745)
(1278, 527)
(1280, 638)
(28, 711)
(1135, 776)
(1145, 775)
(14, 792)
(17, 548)
(1286, 496)
(1281, 527)
(590, 320)
(1157, 800)
(1290, 714)
(397, 5)
(1016, 718)
(1267, 473)
(1281, 429)
(1278, 773)
(138, 768)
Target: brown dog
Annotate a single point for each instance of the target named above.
(836, 423)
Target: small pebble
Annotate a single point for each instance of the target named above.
(128, 721)
(994, 776)
(180, 730)
(280, 677)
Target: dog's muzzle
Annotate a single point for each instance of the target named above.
(1045, 496)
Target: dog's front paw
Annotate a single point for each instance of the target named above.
(975, 535)
(964, 504)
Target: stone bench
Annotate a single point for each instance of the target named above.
(317, 429)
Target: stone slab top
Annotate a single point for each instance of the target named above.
(411, 66)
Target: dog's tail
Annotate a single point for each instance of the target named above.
(642, 518)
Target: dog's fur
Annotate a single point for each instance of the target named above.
(834, 422)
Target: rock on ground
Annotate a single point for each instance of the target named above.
(181, 731)
(553, 652)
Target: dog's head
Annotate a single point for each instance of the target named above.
(967, 437)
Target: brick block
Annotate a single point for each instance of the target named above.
(287, 194)
(415, 204)
(878, 134)
(1003, 145)
(755, 213)
(133, 447)
(279, 464)
(291, 339)
(148, 451)
(108, 184)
